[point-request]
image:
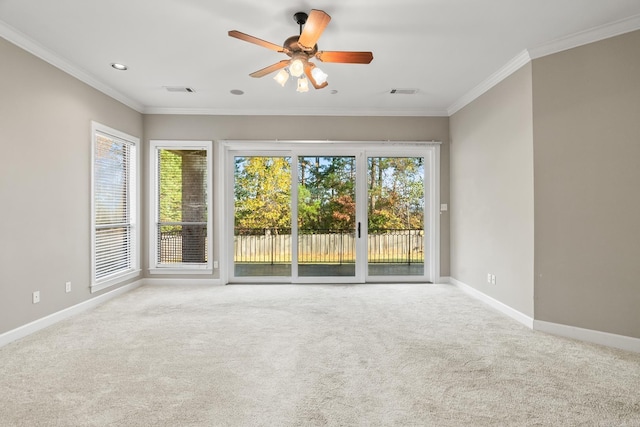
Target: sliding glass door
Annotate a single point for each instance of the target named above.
(326, 216)
(262, 216)
(395, 216)
(322, 213)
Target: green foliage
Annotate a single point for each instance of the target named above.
(327, 185)
(170, 168)
(396, 193)
(326, 193)
(262, 192)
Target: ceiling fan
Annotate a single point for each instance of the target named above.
(301, 49)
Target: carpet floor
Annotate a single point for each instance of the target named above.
(310, 355)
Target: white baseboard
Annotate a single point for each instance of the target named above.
(589, 335)
(36, 325)
(597, 337)
(180, 282)
(500, 306)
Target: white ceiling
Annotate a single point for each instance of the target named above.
(449, 50)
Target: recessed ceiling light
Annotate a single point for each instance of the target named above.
(237, 92)
(119, 67)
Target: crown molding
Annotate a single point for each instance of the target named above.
(296, 112)
(17, 38)
(571, 41)
(509, 68)
(592, 35)
(602, 32)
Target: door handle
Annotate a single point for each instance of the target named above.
(358, 230)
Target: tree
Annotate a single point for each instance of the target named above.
(326, 198)
(396, 193)
(326, 192)
(262, 192)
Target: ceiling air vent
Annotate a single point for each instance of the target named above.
(403, 91)
(180, 89)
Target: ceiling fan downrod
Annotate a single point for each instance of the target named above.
(301, 19)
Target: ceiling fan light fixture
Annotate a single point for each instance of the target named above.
(301, 49)
(282, 77)
(296, 67)
(318, 75)
(303, 84)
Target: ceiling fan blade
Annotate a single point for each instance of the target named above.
(270, 69)
(255, 40)
(308, 71)
(345, 57)
(313, 28)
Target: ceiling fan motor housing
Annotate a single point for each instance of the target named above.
(303, 47)
(291, 47)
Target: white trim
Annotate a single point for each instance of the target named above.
(571, 41)
(222, 200)
(193, 269)
(592, 35)
(119, 278)
(589, 335)
(429, 150)
(22, 41)
(186, 268)
(602, 32)
(500, 306)
(434, 212)
(182, 282)
(603, 338)
(37, 325)
(285, 145)
(135, 223)
(505, 71)
(426, 112)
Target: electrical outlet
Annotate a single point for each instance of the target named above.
(215, 264)
(67, 287)
(36, 297)
(493, 279)
(489, 277)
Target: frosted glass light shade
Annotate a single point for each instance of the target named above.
(319, 76)
(303, 85)
(282, 77)
(296, 67)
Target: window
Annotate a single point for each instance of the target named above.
(180, 200)
(114, 207)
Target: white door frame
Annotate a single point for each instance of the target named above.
(430, 150)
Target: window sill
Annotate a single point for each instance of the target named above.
(186, 270)
(114, 280)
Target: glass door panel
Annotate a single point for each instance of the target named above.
(326, 216)
(395, 212)
(262, 216)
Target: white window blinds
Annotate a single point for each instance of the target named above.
(114, 206)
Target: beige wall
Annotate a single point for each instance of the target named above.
(45, 128)
(311, 128)
(567, 123)
(586, 108)
(45, 122)
(491, 192)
